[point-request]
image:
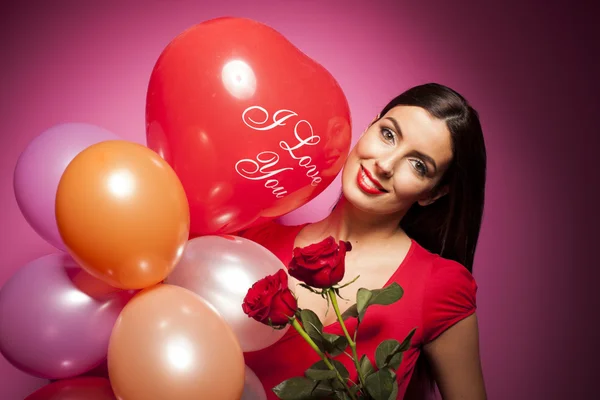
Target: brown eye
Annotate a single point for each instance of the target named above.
(387, 134)
(420, 167)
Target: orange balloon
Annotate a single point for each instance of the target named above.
(123, 214)
(169, 343)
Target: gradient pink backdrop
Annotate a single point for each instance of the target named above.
(528, 69)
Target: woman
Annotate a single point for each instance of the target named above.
(411, 206)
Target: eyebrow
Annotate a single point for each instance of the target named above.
(418, 153)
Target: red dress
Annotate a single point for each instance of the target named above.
(437, 294)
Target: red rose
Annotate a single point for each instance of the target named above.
(320, 265)
(270, 300)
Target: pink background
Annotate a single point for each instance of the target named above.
(527, 68)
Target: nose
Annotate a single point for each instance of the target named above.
(384, 168)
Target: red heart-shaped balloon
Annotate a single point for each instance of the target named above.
(252, 126)
(89, 388)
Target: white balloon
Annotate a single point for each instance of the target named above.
(221, 269)
(253, 388)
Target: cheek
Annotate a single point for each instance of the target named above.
(349, 172)
(409, 187)
(366, 148)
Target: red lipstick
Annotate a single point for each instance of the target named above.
(367, 183)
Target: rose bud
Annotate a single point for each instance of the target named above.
(320, 265)
(270, 300)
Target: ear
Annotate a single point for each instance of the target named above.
(436, 194)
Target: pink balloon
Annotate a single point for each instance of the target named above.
(15, 383)
(221, 269)
(56, 319)
(40, 167)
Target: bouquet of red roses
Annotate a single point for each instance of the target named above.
(321, 266)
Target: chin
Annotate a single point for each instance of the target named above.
(359, 200)
(366, 203)
(352, 193)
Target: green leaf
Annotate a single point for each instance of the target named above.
(363, 296)
(355, 389)
(336, 385)
(341, 369)
(394, 395)
(395, 361)
(405, 345)
(387, 295)
(342, 396)
(311, 321)
(388, 353)
(380, 385)
(336, 364)
(319, 374)
(320, 366)
(296, 388)
(313, 327)
(366, 368)
(334, 344)
(323, 390)
(351, 312)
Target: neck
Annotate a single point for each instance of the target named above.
(348, 223)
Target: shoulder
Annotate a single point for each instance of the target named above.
(440, 272)
(451, 274)
(450, 296)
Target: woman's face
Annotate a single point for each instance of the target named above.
(398, 161)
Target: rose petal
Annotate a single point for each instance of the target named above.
(281, 309)
(282, 278)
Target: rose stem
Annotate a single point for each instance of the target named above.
(351, 342)
(312, 344)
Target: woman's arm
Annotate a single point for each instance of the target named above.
(454, 357)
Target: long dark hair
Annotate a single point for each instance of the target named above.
(450, 226)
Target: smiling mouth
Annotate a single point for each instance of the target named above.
(369, 184)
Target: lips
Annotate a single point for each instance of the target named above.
(368, 183)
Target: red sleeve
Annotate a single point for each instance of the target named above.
(450, 296)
